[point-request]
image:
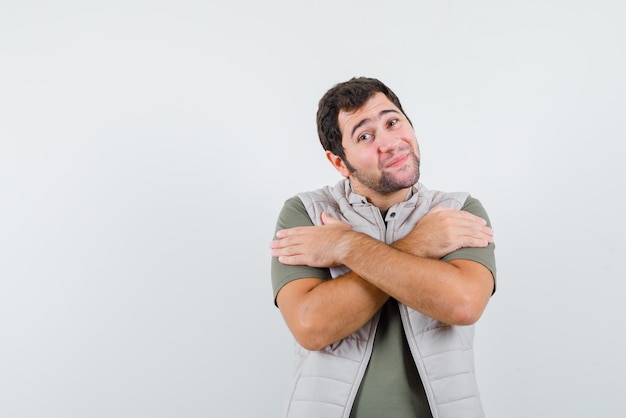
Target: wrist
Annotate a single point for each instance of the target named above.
(359, 249)
(411, 247)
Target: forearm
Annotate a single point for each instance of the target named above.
(327, 311)
(436, 288)
(320, 312)
(407, 246)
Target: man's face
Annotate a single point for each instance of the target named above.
(382, 156)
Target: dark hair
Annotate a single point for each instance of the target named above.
(347, 96)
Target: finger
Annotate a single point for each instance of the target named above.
(479, 243)
(285, 251)
(473, 217)
(440, 208)
(328, 220)
(290, 232)
(482, 236)
(482, 233)
(288, 241)
(289, 260)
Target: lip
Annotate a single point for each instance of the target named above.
(397, 161)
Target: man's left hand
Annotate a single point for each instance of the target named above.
(315, 246)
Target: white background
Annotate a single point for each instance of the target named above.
(146, 148)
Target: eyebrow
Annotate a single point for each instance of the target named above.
(366, 120)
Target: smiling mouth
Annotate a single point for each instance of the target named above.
(397, 161)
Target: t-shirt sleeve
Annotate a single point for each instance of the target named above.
(293, 214)
(484, 256)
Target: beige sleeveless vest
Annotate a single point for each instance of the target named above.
(326, 381)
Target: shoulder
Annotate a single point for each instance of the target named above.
(474, 206)
(431, 198)
(293, 214)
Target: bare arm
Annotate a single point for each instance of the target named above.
(455, 293)
(319, 312)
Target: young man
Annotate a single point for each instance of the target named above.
(378, 278)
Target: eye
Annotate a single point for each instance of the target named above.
(364, 137)
(392, 122)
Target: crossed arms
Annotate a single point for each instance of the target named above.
(319, 312)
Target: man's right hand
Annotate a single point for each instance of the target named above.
(443, 230)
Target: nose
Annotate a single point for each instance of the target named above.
(388, 143)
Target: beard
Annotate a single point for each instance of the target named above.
(388, 183)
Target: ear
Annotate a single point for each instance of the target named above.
(338, 163)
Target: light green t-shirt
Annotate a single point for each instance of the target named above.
(391, 385)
